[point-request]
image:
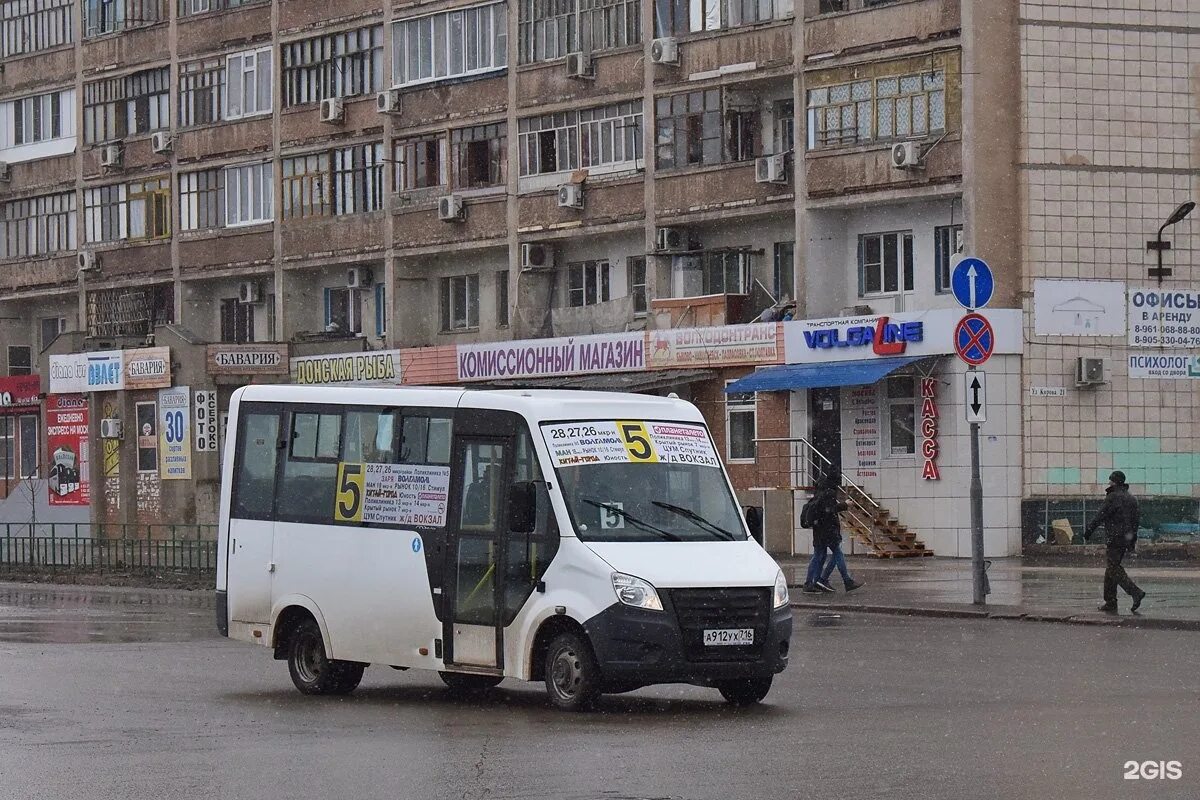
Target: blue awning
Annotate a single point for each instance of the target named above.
(819, 376)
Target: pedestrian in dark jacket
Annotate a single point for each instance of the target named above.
(827, 537)
(1121, 518)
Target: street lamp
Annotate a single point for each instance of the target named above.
(1160, 247)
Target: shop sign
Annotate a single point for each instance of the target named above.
(382, 365)
(247, 359)
(1164, 318)
(1078, 308)
(716, 346)
(576, 355)
(204, 415)
(174, 434)
(907, 333)
(20, 393)
(929, 429)
(87, 372)
(1167, 366)
(148, 368)
(67, 443)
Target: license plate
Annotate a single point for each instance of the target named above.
(736, 637)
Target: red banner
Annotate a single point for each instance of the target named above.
(19, 394)
(67, 441)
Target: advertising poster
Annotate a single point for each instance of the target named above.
(629, 441)
(67, 443)
(1166, 366)
(146, 431)
(1163, 318)
(174, 432)
(204, 415)
(392, 494)
(1078, 308)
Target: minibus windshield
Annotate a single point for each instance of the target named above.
(643, 481)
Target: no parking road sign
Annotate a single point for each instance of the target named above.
(974, 339)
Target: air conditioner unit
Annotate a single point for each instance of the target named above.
(664, 51)
(5, 173)
(333, 110)
(387, 102)
(906, 155)
(570, 195)
(451, 209)
(1089, 371)
(161, 142)
(579, 65)
(536, 256)
(111, 428)
(359, 278)
(771, 169)
(111, 155)
(248, 292)
(88, 261)
(669, 240)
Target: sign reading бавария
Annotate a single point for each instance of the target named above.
(382, 365)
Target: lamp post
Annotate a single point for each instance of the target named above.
(1160, 247)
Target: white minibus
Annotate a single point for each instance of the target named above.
(585, 539)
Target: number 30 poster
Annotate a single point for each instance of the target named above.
(174, 434)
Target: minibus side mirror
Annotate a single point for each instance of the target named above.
(522, 507)
(754, 521)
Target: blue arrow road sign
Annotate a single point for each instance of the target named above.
(972, 283)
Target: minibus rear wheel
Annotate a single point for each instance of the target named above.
(572, 675)
(746, 691)
(311, 670)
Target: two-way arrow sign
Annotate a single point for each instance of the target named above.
(976, 395)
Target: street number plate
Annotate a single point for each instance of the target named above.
(733, 636)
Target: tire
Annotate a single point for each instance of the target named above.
(311, 671)
(465, 682)
(572, 675)
(745, 692)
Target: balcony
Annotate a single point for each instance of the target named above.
(127, 48)
(205, 33)
(137, 156)
(868, 168)
(485, 222)
(319, 239)
(303, 123)
(240, 137)
(36, 71)
(38, 275)
(615, 73)
(125, 263)
(39, 174)
(761, 49)
(226, 251)
(719, 188)
(606, 202)
(457, 103)
(297, 15)
(864, 29)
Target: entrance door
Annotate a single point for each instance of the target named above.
(473, 628)
(825, 427)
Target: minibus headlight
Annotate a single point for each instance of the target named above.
(781, 593)
(635, 592)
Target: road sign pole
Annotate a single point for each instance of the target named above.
(978, 576)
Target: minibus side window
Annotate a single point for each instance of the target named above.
(370, 436)
(306, 489)
(426, 440)
(258, 450)
(529, 554)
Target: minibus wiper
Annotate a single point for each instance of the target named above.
(641, 523)
(687, 513)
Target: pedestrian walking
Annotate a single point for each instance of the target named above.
(821, 514)
(1120, 516)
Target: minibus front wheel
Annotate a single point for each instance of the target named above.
(311, 670)
(745, 691)
(572, 675)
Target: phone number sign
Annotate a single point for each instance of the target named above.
(1164, 318)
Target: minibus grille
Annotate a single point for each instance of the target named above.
(699, 610)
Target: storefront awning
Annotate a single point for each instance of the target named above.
(792, 377)
(647, 381)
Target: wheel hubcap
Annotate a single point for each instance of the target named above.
(310, 658)
(566, 673)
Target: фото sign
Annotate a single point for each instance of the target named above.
(1164, 318)
(616, 352)
(204, 417)
(382, 365)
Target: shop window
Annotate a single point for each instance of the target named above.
(8, 449)
(587, 283)
(741, 426)
(885, 262)
(947, 242)
(146, 415)
(901, 415)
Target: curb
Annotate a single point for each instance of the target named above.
(1146, 623)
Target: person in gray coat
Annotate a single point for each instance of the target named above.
(1121, 517)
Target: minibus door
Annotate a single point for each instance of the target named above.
(472, 627)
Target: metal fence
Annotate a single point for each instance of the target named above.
(188, 549)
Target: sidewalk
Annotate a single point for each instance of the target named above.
(942, 587)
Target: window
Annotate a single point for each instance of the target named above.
(108, 16)
(741, 426)
(483, 474)
(38, 226)
(343, 309)
(587, 283)
(114, 108)
(885, 263)
(27, 444)
(249, 194)
(27, 26)
(784, 134)
(947, 242)
(594, 138)
(426, 440)
(636, 266)
(248, 84)
(479, 156)
(150, 209)
(371, 436)
(675, 17)
(420, 163)
(688, 129)
(727, 272)
(237, 321)
(469, 41)
(201, 200)
(783, 282)
(37, 118)
(879, 109)
(460, 302)
(348, 180)
(902, 415)
(188, 8)
(202, 92)
(8, 449)
(20, 360)
(139, 210)
(609, 24)
(381, 309)
(347, 64)
(254, 472)
(146, 416)
(49, 329)
(308, 483)
(502, 298)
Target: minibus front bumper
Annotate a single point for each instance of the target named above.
(637, 647)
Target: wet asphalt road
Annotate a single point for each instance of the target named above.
(130, 694)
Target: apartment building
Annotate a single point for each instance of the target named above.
(200, 194)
